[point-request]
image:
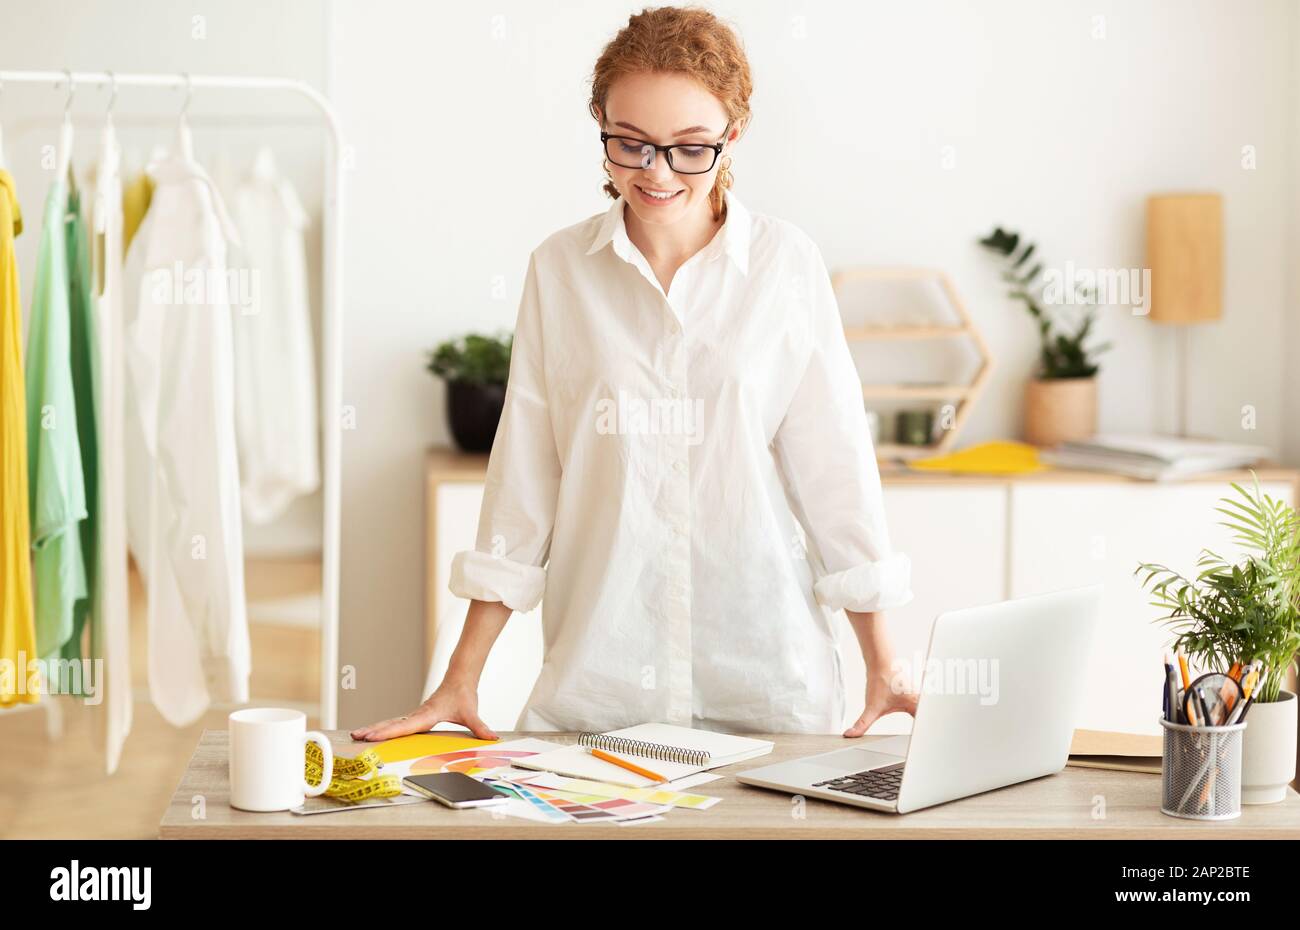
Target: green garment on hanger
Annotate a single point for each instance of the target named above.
(56, 482)
(81, 311)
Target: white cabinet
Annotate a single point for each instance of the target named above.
(971, 541)
(954, 536)
(515, 660)
(1064, 535)
(956, 539)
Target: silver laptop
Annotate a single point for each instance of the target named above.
(998, 705)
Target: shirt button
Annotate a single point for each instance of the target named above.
(679, 466)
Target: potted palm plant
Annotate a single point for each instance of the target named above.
(1061, 398)
(1243, 611)
(475, 368)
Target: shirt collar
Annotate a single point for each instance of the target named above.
(174, 167)
(732, 239)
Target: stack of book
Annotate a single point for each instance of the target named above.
(1156, 458)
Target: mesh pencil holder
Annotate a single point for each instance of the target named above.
(1200, 777)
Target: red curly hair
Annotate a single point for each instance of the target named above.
(686, 40)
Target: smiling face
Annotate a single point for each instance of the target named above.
(666, 109)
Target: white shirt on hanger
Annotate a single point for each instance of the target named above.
(275, 369)
(652, 457)
(111, 615)
(183, 486)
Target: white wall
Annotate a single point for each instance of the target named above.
(1291, 336)
(469, 150)
(472, 144)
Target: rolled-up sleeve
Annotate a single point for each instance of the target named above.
(824, 451)
(507, 563)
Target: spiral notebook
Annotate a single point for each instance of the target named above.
(671, 751)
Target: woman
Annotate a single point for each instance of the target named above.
(680, 392)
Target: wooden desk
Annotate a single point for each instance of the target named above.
(1078, 803)
(451, 465)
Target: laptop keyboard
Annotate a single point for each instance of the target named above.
(881, 784)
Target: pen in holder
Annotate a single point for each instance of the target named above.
(1200, 777)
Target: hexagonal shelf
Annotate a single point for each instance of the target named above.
(964, 394)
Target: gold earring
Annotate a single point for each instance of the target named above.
(725, 177)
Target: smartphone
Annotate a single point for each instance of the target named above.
(455, 789)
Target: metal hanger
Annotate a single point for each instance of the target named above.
(66, 133)
(184, 138)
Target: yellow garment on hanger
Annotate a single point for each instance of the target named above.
(1001, 457)
(136, 198)
(17, 628)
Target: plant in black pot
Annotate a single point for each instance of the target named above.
(475, 368)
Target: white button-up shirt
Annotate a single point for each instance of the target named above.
(182, 486)
(653, 456)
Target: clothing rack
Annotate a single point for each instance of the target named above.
(331, 319)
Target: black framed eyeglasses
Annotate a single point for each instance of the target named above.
(683, 158)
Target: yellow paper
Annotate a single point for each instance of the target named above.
(1001, 457)
(425, 744)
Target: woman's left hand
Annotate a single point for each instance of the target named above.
(884, 696)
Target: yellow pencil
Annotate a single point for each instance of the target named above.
(1182, 667)
(624, 764)
(1250, 682)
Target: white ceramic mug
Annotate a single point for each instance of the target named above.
(267, 759)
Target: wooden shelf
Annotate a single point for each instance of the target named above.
(917, 391)
(880, 333)
(964, 328)
(444, 465)
(892, 451)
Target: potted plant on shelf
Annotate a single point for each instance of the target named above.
(1061, 398)
(475, 368)
(1244, 611)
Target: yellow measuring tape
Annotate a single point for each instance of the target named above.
(352, 780)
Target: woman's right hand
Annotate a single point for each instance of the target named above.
(451, 703)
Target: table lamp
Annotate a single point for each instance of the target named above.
(1185, 256)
